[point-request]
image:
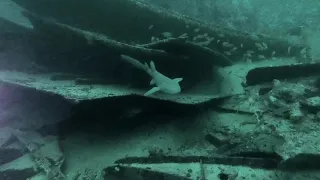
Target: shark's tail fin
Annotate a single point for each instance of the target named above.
(136, 63)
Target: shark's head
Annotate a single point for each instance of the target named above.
(162, 82)
(172, 87)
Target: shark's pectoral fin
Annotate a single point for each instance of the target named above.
(178, 79)
(152, 91)
(152, 82)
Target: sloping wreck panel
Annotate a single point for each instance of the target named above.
(135, 22)
(75, 92)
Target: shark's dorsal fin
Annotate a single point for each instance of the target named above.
(147, 68)
(152, 66)
(177, 79)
